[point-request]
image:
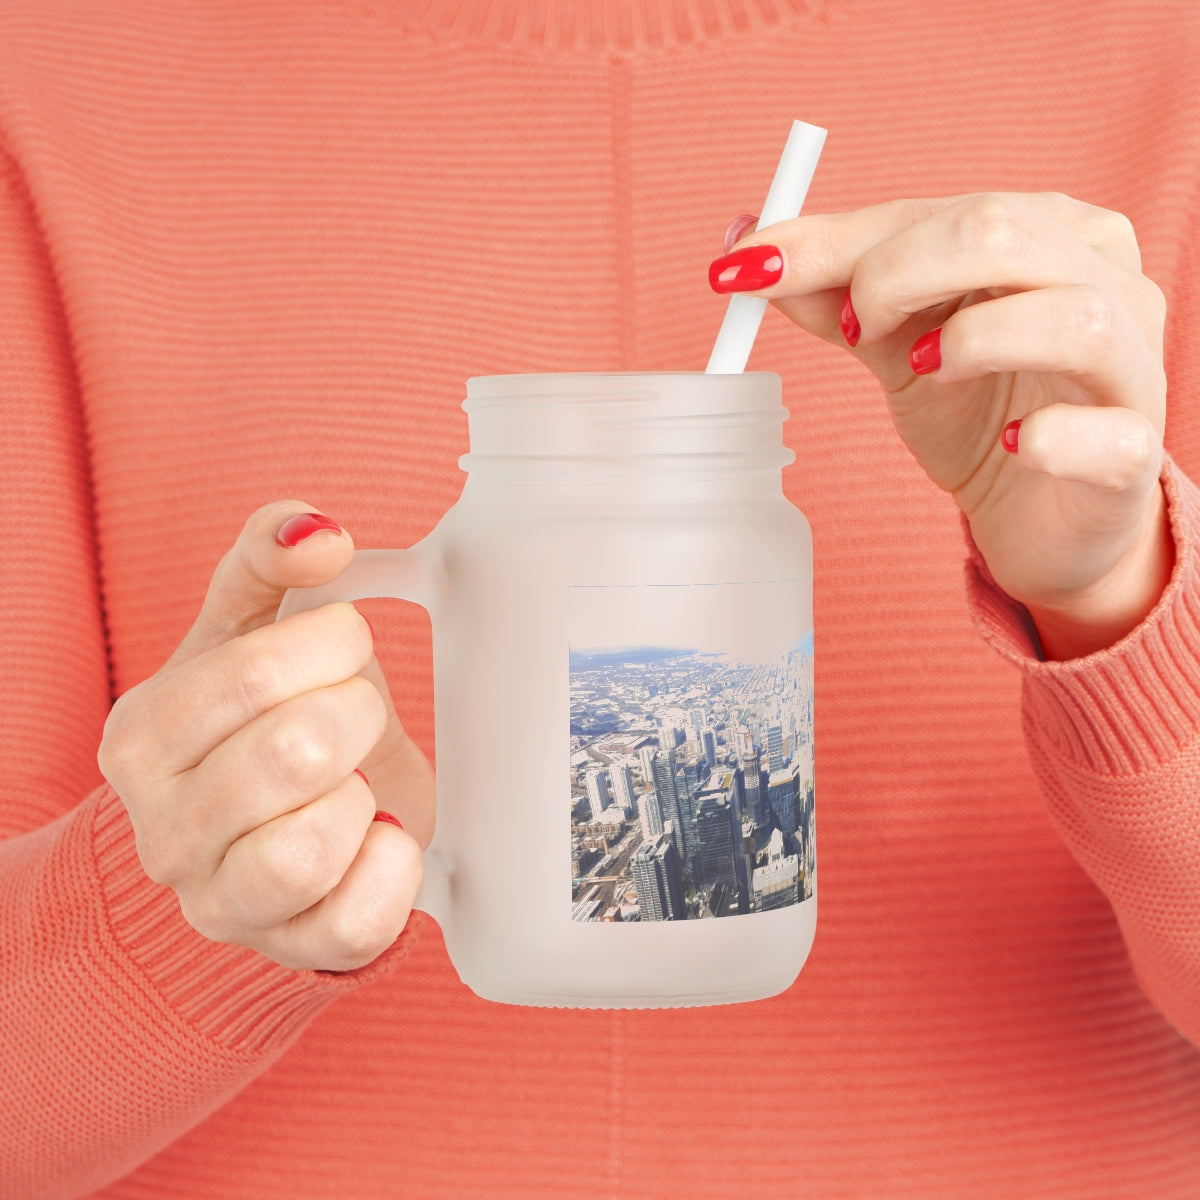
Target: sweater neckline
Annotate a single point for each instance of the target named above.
(617, 26)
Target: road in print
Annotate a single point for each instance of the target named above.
(691, 776)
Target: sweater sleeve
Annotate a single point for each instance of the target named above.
(120, 1026)
(1114, 739)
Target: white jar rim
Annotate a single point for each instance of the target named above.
(627, 416)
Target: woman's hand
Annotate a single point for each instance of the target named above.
(978, 312)
(237, 762)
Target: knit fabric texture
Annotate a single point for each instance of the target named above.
(253, 251)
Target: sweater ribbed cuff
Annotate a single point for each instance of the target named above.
(236, 997)
(1130, 707)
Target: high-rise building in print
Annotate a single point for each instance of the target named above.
(597, 790)
(694, 771)
(646, 757)
(621, 780)
(723, 780)
(668, 799)
(775, 759)
(810, 854)
(650, 816)
(691, 775)
(782, 798)
(713, 860)
(777, 883)
(743, 869)
(802, 758)
(697, 719)
(743, 742)
(659, 881)
(708, 740)
(737, 798)
(752, 787)
(670, 736)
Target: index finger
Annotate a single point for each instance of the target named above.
(821, 250)
(190, 709)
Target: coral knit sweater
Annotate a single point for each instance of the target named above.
(253, 250)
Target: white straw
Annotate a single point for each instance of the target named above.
(788, 189)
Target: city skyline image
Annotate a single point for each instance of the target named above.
(691, 763)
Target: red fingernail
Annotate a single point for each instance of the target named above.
(737, 227)
(926, 353)
(362, 777)
(1009, 436)
(746, 270)
(380, 815)
(295, 529)
(851, 330)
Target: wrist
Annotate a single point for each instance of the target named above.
(1114, 605)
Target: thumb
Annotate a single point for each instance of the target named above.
(285, 544)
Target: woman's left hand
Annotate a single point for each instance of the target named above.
(977, 312)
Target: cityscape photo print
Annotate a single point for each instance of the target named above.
(691, 752)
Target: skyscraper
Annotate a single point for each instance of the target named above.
(694, 771)
(659, 881)
(690, 777)
(743, 742)
(621, 779)
(752, 787)
(646, 755)
(597, 790)
(782, 796)
(777, 884)
(650, 816)
(669, 736)
(713, 860)
(775, 758)
(668, 799)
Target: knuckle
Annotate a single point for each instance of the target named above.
(1140, 445)
(1116, 476)
(969, 341)
(120, 752)
(360, 934)
(1126, 450)
(878, 286)
(159, 856)
(297, 859)
(208, 919)
(1118, 229)
(815, 255)
(994, 226)
(1113, 235)
(1090, 317)
(298, 751)
(258, 679)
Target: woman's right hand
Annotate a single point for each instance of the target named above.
(237, 762)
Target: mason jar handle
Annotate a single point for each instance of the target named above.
(401, 575)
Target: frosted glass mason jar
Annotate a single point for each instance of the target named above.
(621, 603)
